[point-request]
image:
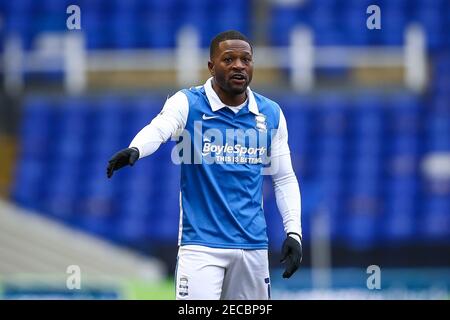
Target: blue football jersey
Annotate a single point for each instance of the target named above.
(221, 197)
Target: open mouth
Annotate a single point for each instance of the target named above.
(239, 78)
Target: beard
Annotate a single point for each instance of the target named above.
(229, 86)
(237, 89)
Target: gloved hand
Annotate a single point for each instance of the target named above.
(291, 255)
(121, 159)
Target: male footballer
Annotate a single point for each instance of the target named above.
(222, 234)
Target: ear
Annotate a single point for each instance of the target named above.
(211, 67)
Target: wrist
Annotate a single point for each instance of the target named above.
(296, 236)
(137, 150)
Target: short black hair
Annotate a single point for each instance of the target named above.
(226, 35)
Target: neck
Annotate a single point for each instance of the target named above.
(228, 98)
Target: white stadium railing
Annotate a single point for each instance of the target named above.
(67, 52)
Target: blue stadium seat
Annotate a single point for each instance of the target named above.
(110, 118)
(151, 35)
(439, 123)
(136, 203)
(368, 122)
(95, 27)
(438, 127)
(403, 144)
(18, 7)
(284, 19)
(399, 223)
(199, 20)
(75, 116)
(332, 188)
(322, 16)
(163, 6)
(435, 219)
(95, 224)
(37, 111)
(27, 182)
(361, 229)
(333, 146)
(129, 6)
(195, 4)
(430, 17)
(53, 7)
(325, 18)
(129, 230)
(354, 26)
(35, 129)
(403, 116)
(361, 187)
(163, 230)
(143, 109)
(365, 167)
(60, 194)
(123, 31)
(401, 186)
(363, 155)
(395, 22)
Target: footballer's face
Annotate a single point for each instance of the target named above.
(232, 66)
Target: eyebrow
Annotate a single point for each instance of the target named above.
(233, 51)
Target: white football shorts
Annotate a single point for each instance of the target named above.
(205, 273)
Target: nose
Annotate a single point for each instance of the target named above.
(239, 65)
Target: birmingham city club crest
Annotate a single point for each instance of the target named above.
(261, 123)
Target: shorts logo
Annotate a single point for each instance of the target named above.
(183, 287)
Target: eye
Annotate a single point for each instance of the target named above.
(228, 60)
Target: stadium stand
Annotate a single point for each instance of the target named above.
(360, 153)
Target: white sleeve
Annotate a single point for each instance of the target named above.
(287, 191)
(287, 195)
(280, 139)
(167, 123)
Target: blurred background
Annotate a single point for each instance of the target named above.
(368, 114)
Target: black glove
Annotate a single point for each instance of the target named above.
(121, 159)
(292, 255)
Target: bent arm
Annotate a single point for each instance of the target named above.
(167, 123)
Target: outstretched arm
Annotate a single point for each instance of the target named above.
(167, 123)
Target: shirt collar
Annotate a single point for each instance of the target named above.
(217, 104)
